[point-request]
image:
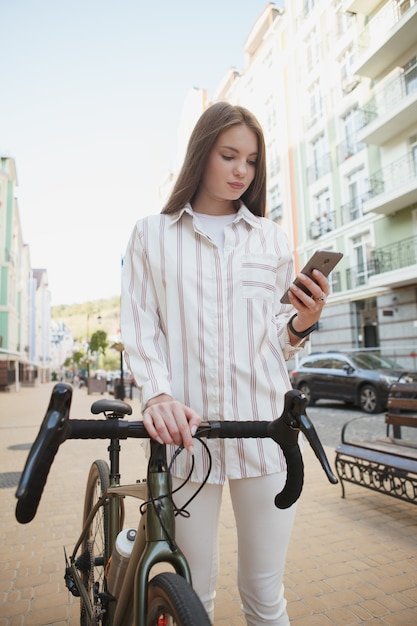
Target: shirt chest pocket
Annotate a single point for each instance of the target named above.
(259, 276)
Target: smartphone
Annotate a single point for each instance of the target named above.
(323, 260)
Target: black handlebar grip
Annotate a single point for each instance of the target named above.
(42, 453)
(105, 429)
(295, 477)
(227, 430)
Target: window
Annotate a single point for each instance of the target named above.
(348, 79)
(351, 125)
(403, 6)
(410, 75)
(344, 20)
(362, 255)
(321, 160)
(312, 50)
(346, 62)
(273, 159)
(315, 102)
(338, 364)
(323, 215)
(357, 191)
(413, 144)
(275, 204)
(271, 117)
(309, 6)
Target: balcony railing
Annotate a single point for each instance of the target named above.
(388, 97)
(353, 210)
(319, 168)
(348, 148)
(382, 22)
(395, 256)
(394, 175)
(322, 225)
(389, 35)
(391, 257)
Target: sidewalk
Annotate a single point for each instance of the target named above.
(350, 562)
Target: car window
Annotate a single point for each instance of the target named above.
(338, 364)
(321, 363)
(370, 361)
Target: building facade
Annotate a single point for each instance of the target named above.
(334, 85)
(24, 296)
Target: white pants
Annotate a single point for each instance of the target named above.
(263, 533)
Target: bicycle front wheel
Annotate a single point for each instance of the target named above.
(94, 557)
(173, 602)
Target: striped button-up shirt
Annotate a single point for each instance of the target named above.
(208, 329)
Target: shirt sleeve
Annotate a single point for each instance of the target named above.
(143, 337)
(286, 275)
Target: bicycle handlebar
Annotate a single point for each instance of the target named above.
(56, 427)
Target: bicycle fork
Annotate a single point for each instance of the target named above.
(155, 543)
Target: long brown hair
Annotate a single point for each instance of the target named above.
(215, 120)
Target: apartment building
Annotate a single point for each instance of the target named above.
(24, 296)
(334, 85)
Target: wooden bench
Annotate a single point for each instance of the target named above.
(401, 408)
(386, 464)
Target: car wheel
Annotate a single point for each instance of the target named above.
(368, 399)
(305, 389)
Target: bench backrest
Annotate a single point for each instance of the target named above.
(402, 397)
(402, 406)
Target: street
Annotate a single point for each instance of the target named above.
(329, 417)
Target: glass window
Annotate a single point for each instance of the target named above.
(315, 102)
(338, 364)
(351, 125)
(357, 190)
(362, 254)
(410, 75)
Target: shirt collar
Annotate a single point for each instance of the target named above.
(242, 214)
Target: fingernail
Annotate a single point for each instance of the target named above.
(159, 440)
(193, 430)
(191, 450)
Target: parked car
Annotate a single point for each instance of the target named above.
(361, 378)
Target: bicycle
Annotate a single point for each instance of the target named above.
(109, 595)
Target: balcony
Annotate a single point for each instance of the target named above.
(322, 225)
(393, 187)
(391, 265)
(353, 210)
(319, 168)
(387, 36)
(348, 148)
(391, 111)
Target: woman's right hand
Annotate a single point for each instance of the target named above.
(168, 421)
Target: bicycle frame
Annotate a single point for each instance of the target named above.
(151, 546)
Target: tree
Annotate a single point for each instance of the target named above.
(76, 361)
(98, 341)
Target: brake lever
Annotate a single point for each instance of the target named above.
(285, 430)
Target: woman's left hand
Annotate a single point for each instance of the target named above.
(309, 308)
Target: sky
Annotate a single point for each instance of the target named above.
(91, 98)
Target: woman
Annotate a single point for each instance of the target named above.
(206, 338)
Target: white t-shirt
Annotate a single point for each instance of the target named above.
(213, 226)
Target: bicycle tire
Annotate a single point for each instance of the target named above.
(173, 602)
(95, 544)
